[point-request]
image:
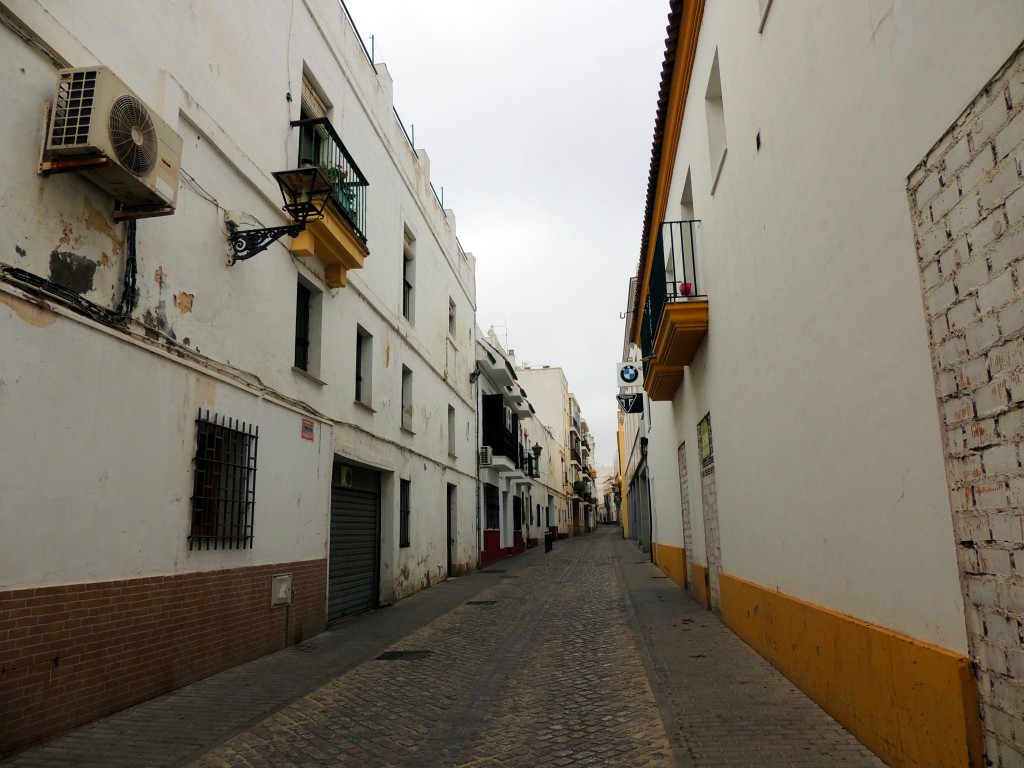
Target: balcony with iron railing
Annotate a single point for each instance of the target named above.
(339, 238)
(675, 314)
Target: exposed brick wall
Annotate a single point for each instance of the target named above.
(684, 501)
(73, 653)
(967, 205)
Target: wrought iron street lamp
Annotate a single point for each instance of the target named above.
(305, 191)
(536, 459)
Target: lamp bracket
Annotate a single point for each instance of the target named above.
(246, 243)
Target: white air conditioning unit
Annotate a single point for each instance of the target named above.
(486, 456)
(99, 127)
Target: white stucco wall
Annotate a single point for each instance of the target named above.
(829, 471)
(99, 484)
(667, 522)
(193, 64)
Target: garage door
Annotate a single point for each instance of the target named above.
(354, 565)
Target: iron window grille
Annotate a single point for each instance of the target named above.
(224, 488)
(491, 506)
(403, 521)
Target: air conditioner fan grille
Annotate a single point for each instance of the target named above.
(133, 135)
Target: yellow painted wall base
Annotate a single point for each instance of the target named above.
(672, 560)
(699, 587)
(911, 703)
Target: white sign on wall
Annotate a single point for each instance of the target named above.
(629, 375)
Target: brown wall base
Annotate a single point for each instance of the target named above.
(73, 653)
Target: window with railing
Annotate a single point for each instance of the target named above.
(320, 145)
(499, 427)
(673, 276)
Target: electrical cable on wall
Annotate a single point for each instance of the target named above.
(113, 317)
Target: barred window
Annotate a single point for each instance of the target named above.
(491, 505)
(224, 489)
(403, 520)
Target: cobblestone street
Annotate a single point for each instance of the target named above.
(586, 656)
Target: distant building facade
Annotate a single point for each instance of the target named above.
(557, 408)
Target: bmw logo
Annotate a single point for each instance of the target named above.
(629, 374)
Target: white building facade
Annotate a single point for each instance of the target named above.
(209, 458)
(825, 309)
(550, 396)
(520, 492)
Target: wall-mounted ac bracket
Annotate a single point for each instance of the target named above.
(122, 212)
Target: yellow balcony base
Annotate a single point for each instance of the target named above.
(332, 241)
(662, 381)
(911, 703)
(682, 328)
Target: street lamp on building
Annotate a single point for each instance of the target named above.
(536, 459)
(305, 191)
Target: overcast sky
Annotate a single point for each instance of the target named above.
(538, 117)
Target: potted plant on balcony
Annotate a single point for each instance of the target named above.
(343, 189)
(579, 487)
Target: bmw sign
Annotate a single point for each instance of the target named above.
(629, 375)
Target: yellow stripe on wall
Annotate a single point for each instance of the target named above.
(911, 703)
(671, 560)
(699, 587)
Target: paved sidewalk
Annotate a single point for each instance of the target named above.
(583, 656)
(723, 705)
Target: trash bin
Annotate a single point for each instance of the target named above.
(548, 543)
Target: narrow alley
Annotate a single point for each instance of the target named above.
(587, 655)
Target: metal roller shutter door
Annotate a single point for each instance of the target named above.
(352, 574)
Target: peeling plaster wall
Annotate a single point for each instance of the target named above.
(192, 64)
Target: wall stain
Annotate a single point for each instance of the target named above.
(96, 220)
(387, 354)
(65, 238)
(158, 319)
(158, 276)
(204, 393)
(20, 251)
(36, 313)
(104, 259)
(73, 271)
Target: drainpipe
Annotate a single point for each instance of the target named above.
(474, 377)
